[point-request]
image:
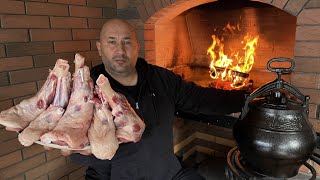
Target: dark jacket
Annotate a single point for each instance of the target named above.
(161, 94)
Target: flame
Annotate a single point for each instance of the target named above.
(229, 68)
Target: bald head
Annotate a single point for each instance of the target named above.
(119, 24)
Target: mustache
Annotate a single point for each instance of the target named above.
(121, 56)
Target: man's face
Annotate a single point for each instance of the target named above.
(118, 49)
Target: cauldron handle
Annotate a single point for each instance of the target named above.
(276, 84)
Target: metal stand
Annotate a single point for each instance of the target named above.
(237, 171)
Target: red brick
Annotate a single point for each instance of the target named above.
(10, 159)
(36, 8)
(50, 59)
(19, 177)
(81, 11)
(8, 92)
(41, 82)
(50, 34)
(2, 51)
(68, 22)
(305, 80)
(149, 7)
(75, 2)
(308, 33)
(279, 3)
(93, 45)
(15, 63)
(53, 154)
(96, 23)
(32, 150)
(45, 168)
(63, 170)
(7, 135)
(150, 55)
(149, 45)
(307, 64)
(24, 21)
(19, 99)
(313, 4)
(315, 124)
(157, 4)
(34, 48)
(143, 13)
(9, 146)
(109, 13)
(91, 55)
(310, 49)
(12, 7)
(71, 46)
(309, 16)
(102, 3)
(4, 80)
(85, 34)
(22, 166)
(148, 26)
(149, 35)
(14, 35)
(294, 7)
(4, 105)
(122, 4)
(35, 74)
(166, 3)
(95, 63)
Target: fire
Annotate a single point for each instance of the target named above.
(233, 69)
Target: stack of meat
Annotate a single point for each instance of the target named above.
(73, 117)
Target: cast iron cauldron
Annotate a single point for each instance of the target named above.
(273, 133)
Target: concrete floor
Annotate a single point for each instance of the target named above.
(213, 168)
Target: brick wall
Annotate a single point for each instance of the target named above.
(33, 35)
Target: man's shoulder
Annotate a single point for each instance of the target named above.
(96, 71)
(97, 68)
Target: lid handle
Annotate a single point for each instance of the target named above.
(276, 84)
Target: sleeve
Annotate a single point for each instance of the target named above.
(194, 99)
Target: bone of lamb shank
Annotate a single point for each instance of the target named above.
(103, 141)
(18, 117)
(129, 125)
(49, 118)
(72, 128)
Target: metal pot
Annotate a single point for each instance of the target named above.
(273, 133)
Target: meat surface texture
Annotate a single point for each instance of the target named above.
(18, 117)
(103, 141)
(49, 118)
(45, 122)
(128, 124)
(72, 128)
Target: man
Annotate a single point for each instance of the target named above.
(155, 94)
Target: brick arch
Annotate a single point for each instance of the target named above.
(161, 11)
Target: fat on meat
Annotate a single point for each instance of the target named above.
(129, 126)
(103, 141)
(19, 116)
(73, 126)
(49, 118)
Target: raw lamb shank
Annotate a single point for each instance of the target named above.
(129, 125)
(103, 141)
(18, 117)
(72, 128)
(49, 118)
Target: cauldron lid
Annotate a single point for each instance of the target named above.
(277, 100)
